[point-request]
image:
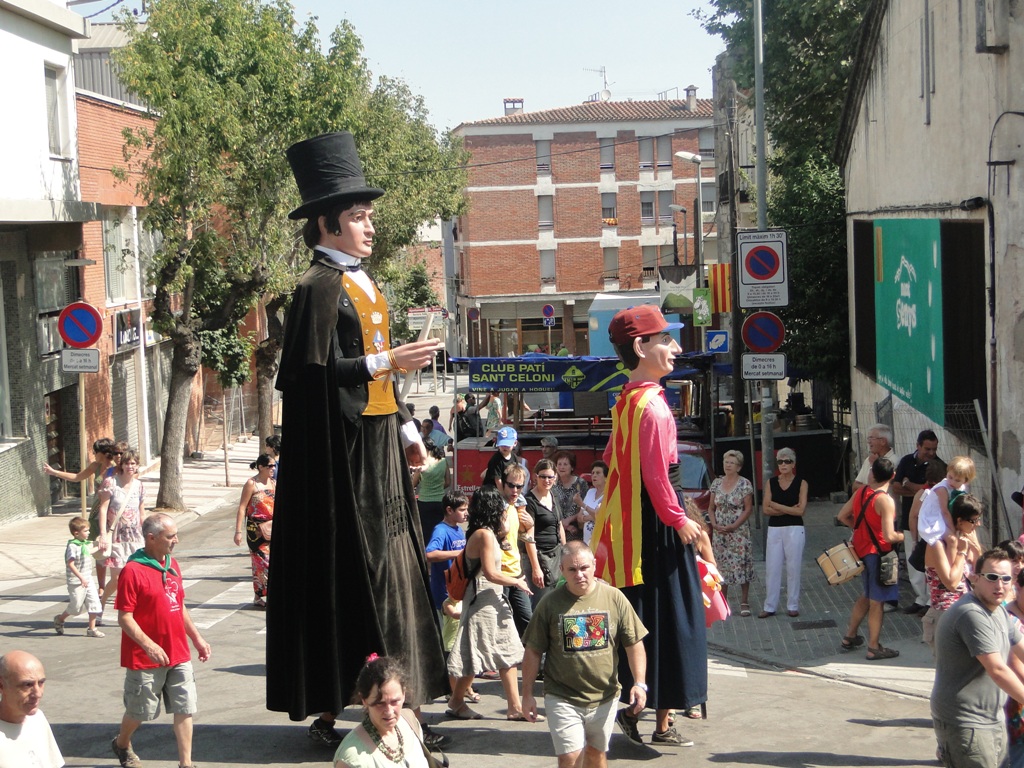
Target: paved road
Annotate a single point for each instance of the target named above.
(758, 715)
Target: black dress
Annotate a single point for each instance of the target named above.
(348, 568)
(671, 605)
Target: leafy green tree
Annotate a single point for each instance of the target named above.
(408, 285)
(817, 318)
(231, 84)
(808, 55)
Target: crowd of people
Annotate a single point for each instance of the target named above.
(603, 591)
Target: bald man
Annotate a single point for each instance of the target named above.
(26, 740)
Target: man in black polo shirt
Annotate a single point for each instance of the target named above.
(909, 479)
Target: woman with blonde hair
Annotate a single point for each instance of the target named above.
(785, 500)
(732, 502)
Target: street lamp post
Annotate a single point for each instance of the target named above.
(675, 249)
(698, 217)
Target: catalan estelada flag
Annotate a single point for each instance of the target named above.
(720, 279)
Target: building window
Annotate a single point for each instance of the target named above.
(646, 207)
(706, 142)
(119, 260)
(607, 154)
(545, 211)
(609, 215)
(668, 255)
(611, 262)
(56, 286)
(646, 147)
(664, 201)
(708, 197)
(56, 109)
(649, 255)
(664, 147)
(547, 266)
(543, 155)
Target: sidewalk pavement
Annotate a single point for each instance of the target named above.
(809, 643)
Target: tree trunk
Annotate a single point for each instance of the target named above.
(184, 365)
(266, 367)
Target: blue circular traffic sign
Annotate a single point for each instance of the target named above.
(80, 325)
(762, 262)
(763, 332)
(548, 311)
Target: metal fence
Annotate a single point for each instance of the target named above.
(239, 407)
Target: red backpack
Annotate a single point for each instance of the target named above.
(456, 577)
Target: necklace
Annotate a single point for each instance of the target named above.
(391, 753)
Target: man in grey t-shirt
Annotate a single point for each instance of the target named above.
(973, 641)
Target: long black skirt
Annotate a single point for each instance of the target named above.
(348, 570)
(670, 604)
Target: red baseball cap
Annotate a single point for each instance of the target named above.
(644, 320)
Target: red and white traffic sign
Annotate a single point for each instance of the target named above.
(763, 332)
(764, 273)
(80, 325)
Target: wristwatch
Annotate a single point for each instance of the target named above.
(641, 686)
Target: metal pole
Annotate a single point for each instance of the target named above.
(82, 442)
(675, 243)
(760, 167)
(699, 220)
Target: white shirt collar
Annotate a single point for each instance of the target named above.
(340, 257)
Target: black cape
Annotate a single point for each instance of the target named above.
(348, 574)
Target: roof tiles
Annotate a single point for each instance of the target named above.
(605, 111)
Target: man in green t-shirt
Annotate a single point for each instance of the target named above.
(580, 626)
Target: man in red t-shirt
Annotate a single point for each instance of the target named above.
(154, 650)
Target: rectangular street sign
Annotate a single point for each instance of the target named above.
(416, 317)
(80, 360)
(762, 367)
(549, 322)
(763, 269)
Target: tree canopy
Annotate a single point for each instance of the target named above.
(231, 84)
(808, 56)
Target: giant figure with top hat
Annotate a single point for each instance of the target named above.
(348, 575)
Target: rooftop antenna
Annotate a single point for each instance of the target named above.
(604, 94)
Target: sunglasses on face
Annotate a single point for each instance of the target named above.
(545, 477)
(783, 461)
(1005, 578)
(514, 485)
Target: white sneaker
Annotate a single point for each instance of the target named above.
(94, 633)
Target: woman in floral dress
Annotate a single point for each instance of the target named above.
(256, 510)
(732, 502)
(568, 486)
(121, 496)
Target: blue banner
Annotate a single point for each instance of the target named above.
(546, 374)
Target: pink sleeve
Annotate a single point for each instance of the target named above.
(657, 450)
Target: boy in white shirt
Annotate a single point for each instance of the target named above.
(81, 576)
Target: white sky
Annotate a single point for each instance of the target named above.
(465, 56)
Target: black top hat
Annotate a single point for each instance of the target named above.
(1018, 497)
(327, 168)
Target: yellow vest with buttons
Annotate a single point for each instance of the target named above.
(373, 322)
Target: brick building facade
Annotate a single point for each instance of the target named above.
(568, 203)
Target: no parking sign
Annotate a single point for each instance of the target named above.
(764, 271)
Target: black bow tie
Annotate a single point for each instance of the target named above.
(351, 267)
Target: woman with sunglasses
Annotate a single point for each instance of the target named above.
(785, 500)
(949, 562)
(548, 534)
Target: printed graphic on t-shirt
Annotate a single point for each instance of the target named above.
(173, 598)
(585, 631)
